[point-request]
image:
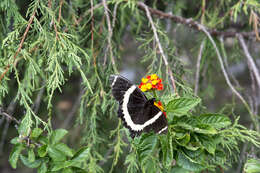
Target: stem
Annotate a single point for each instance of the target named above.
(155, 95)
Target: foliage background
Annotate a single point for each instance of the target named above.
(56, 58)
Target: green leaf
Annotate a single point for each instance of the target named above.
(29, 164)
(177, 169)
(15, 140)
(25, 125)
(64, 149)
(57, 135)
(42, 150)
(55, 154)
(16, 151)
(217, 121)
(31, 155)
(67, 170)
(208, 143)
(81, 155)
(146, 146)
(181, 106)
(42, 168)
(252, 166)
(187, 163)
(36, 133)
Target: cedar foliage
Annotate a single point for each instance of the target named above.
(54, 48)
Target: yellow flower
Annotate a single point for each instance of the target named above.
(154, 82)
(154, 77)
(145, 80)
(143, 88)
(148, 86)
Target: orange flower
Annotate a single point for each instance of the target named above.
(151, 82)
(160, 106)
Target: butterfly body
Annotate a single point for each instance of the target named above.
(137, 112)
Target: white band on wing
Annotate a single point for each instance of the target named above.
(127, 117)
(163, 129)
(114, 81)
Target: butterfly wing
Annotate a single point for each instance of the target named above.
(137, 112)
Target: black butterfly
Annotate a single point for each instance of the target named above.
(136, 111)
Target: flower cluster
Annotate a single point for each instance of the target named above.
(160, 106)
(151, 82)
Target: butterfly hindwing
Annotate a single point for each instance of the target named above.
(136, 111)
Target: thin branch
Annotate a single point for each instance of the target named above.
(110, 33)
(251, 63)
(221, 39)
(159, 45)
(20, 45)
(114, 15)
(89, 11)
(198, 68)
(194, 24)
(61, 2)
(253, 118)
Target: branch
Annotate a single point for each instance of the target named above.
(110, 33)
(253, 118)
(159, 45)
(198, 68)
(194, 24)
(251, 63)
(20, 45)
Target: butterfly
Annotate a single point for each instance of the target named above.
(137, 112)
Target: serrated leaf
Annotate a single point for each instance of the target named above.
(217, 121)
(64, 149)
(81, 155)
(181, 106)
(16, 151)
(187, 163)
(42, 150)
(208, 143)
(42, 168)
(252, 166)
(146, 145)
(57, 135)
(31, 155)
(29, 164)
(178, 169)
(55, 154)
(67, 170)
(36, 132)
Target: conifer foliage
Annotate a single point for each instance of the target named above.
(56, 107)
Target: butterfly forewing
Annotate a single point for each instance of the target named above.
(137, 112)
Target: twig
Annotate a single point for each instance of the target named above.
(61, 2)
(110, 33)
(198, 68)
(253, 118)
(52, 21)
(221, 39)
(114, 15)
(251, 63)
(193, 24)
(20, 45)
(159, 45)
(89, 11)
